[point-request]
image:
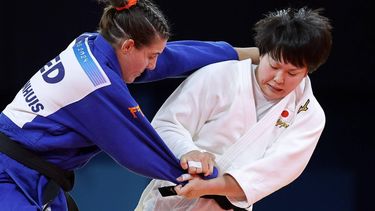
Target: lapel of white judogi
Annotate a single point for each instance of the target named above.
(263, 133)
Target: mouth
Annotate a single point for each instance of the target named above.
(274, 89)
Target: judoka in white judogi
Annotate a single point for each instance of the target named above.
(264, 145)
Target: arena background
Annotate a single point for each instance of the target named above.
(340, 175)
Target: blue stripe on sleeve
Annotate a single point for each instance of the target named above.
(86, 61)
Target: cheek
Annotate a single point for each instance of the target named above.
(138, 60)
(293, 83)
(265, 75)
(139, 64)
(143, 62)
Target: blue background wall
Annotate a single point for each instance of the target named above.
(340, 174)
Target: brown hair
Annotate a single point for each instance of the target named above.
(141, 22)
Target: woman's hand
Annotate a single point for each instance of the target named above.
(195, 188)
(198, 162)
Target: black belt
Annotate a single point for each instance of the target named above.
(222, 201)
(58, 178)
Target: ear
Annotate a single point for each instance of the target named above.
(127, 46)
(306, 73)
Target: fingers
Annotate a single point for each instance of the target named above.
(182, 190)
(178, 189)
(197, 162)
(195, 167)
(184, 177)
(193, 189)
(209, 168)
(205, 166)
(184, 163)
(208, 165)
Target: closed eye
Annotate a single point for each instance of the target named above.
(273, 67)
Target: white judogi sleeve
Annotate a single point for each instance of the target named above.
(189, 107)
(284, 160)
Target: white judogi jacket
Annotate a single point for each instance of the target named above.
(214, 110)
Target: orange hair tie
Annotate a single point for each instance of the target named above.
(127, 6)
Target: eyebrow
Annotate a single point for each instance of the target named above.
(298, 70)
(273, 62)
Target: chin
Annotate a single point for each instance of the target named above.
(129, 81)
(273, 97)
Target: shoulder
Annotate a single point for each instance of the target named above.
(311, 112)
(222, 80)
(222, 71)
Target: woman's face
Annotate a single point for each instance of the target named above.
(135, 61)
(278, 79)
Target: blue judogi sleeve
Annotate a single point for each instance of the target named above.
(78, 104)
(181, 58)
(117, 126)
(120, 128)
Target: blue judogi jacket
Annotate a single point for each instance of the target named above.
(78, 105)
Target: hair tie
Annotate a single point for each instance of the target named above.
(127, 6)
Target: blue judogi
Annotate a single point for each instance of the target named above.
(78, 105)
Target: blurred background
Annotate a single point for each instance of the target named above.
(340, 175)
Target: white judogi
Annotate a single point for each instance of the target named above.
(215, 110)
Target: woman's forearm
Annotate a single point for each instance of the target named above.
(248, 52)
(226, 185)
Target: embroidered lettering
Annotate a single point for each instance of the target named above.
(304, 107)
(134, 110)
(280, 123)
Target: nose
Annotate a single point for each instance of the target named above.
(279, 77)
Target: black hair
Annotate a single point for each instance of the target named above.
(301, 37)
